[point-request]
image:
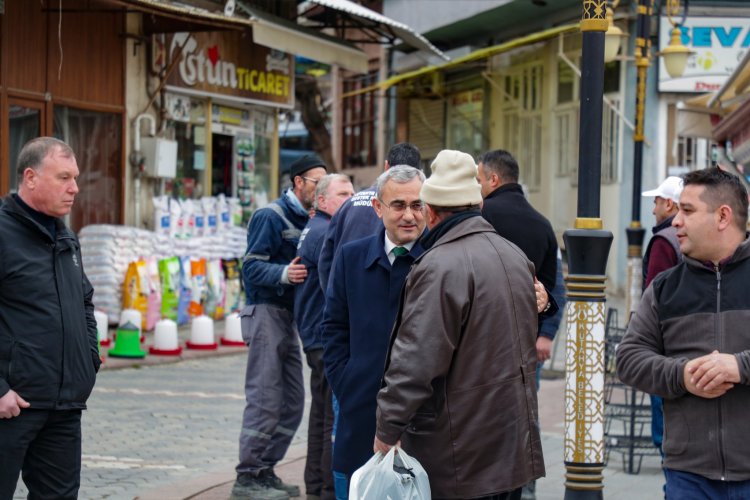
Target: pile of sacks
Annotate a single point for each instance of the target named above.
(162, 275)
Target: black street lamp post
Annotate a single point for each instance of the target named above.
(587, 249)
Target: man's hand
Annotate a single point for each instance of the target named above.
(541, 296)
(712, 371)
(296, 272)
(543, 348)
(11, 404)
(380, 446)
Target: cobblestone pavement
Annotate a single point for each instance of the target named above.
(159, 425)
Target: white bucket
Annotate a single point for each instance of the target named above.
(202, 333)
(165, 335)
(233, 331)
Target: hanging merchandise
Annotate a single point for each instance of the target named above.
(198, 287)
(215, 286)
(245, 164)
(136, 290)
(169, 274)
(183, 303)
(233, 292)
(153, 302)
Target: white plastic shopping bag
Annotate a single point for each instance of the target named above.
(393, 476)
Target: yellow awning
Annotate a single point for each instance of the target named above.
(474, 56)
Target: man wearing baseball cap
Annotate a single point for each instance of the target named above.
(662, 253)
(274, 388)
(458, 389)
(663, 250)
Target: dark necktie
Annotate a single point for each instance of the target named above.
(399, 251)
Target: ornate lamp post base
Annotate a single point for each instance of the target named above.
(588, 250)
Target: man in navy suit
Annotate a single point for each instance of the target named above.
(361, 305)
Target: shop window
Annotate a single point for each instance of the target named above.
(612, 77)
(186, 125)
(567, 121)
(566, 139)
(566, 83)
(522, 120)
(25, 124)
(96, 139)
(610, 141)
(465, 122)
(359, 122)
(695, 153)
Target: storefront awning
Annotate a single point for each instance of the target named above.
(474, 56)
(736, 86)
(713, 115)
(270, 31)
(374, 19)
(282, 34)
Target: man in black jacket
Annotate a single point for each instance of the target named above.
(48, 341)
(513, 217)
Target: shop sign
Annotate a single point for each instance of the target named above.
(230, 65)
(719, 44)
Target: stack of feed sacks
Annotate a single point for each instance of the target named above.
(107, 250)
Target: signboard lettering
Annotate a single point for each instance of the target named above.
(228, 64)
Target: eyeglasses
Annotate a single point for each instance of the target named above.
(314, 181)
(399, 206)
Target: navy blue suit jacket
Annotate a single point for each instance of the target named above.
(361, 305)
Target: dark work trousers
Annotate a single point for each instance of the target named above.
(508, 495)
(46, 446)
(318, 474)
(274, 389)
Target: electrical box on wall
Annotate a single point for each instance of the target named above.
(160, 156)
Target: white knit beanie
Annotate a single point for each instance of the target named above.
(453, 182)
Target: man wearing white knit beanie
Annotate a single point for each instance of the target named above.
(458, 391)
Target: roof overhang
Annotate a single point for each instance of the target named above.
(716, 114)
(282, 34)
(267, 30)
(360, 17)
(484, 53)
(162, 17)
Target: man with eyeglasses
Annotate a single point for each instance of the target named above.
(361, 303)
(274, 388)
(356, 219)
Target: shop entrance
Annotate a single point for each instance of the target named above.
(221, 164)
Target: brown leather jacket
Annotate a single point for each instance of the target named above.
(459, 387)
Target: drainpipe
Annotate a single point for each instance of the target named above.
(137, 160)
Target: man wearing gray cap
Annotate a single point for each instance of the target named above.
(458, 389)
(274, 390)
(662, 253)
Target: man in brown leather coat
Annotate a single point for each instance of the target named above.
(458, 390)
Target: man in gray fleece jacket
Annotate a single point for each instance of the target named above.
(689, 342)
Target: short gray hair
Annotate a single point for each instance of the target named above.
(400, 174)
(36, 150)
(323, 184)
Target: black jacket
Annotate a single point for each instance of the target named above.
(48, 340)
(517, 221)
